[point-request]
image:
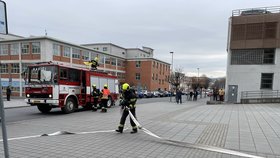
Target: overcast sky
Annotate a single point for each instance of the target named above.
(196, 31)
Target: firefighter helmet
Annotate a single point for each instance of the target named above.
(105, 86)
(125, 86)
(94, 85)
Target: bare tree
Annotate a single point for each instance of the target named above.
(176, 78)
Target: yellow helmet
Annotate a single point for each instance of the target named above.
(125, 86)
(93, 85)
(105, 86)
(96, 58)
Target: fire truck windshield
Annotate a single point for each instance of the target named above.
(42, 75)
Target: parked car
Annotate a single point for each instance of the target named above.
(161, 94)
(140, 94)
(167, 93)
(147, 94)
(156, 94)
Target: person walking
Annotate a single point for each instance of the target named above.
(179, 96)
(104, 98)
(8, 93)
(215, 94)
(191, 95)
(221, 94)
(96, 94)
(128, 103)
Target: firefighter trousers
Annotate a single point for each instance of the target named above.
(104, 103)
(124, 115)
(95, 101)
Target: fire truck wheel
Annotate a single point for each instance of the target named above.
(70, 106)
(44, 108)
(110, 102)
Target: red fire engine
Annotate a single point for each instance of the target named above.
(50, 85)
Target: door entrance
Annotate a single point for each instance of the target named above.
(232, 93)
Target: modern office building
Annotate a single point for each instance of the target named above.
(253, 63)
(17, 52)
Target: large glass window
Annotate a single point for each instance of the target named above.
(108, 60)
(14, 49)
(85, 55)
(56, 50)
(252, 56)
(101, 58)
(105, 48)
(36, 48)
(24, 48)
(3, 68)
(15, 68)
(66, 51)
(4, 49)
(267, 81)
(120, 63)
(113, 61)
(75, 53)
(93, 55)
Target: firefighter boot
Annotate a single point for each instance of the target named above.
(94, 108)
(120, 129)
(134, 130)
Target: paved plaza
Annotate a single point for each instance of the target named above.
(247, 128)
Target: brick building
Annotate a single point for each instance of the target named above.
(17, 52)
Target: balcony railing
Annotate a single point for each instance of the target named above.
(256, 11)
(260, 94)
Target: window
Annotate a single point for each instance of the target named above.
(268, 56)
(137, 76)
(56, 50)
(74, 75)
(3, 68)
(15, 68)
(36, 48)
(113, 61)
(157, 64)
(252, 56)
(66, 51)
(270, 30)
(138, 63)
(107, 60)
(101, 59)
(15, 49)
(267, 81)
(120, 62)
(4, 49)
(24, 66)
(153, 76)
(105, 48)
(24, 48)
(85, 55)
(75, 53)
(63, 74)
(156, 76)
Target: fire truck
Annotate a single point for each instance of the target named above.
(51, 85)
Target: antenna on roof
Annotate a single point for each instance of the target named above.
(46, 33)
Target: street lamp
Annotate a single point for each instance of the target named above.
(197, 77)
(170, 76)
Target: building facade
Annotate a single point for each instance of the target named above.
(253, 61)
(18, 52)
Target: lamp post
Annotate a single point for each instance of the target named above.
(170, 76)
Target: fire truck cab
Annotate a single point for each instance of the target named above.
(49, 85)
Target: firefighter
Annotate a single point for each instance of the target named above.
(95, 93)
(128, 103)
(104, 98)
(94, 63)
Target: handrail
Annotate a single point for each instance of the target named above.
(260, 94)
(256, 11)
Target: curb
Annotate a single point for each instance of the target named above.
(13, 107)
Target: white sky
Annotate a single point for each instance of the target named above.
(196, 31)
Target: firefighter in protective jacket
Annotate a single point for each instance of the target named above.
(96, 94)
(104, 98)
(128, 103)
